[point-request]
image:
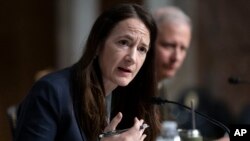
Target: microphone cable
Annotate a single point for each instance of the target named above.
(160, 101)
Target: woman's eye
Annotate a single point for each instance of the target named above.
(143, 49)
(123, 42)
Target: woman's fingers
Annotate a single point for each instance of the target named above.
(138, 123)
(139, 128)
(135, 133)
(114, 122)
(143, 137)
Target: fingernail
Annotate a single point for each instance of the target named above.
(119, 114)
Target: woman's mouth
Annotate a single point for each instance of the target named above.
(124, 70)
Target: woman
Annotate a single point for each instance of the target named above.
(72, 104)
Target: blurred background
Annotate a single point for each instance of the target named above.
(46, 35)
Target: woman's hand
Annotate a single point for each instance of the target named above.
(226, 138)
(133, 134)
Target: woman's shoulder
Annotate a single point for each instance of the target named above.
(58, 77)
(56, 84)
(53, 89)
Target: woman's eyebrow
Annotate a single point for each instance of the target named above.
(129, 37)
(126, 36)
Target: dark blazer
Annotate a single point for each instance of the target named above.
(47, 113)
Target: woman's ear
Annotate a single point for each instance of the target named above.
(99, 49)
(97, 52)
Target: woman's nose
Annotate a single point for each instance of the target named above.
(131, 56)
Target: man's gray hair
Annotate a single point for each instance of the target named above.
(171, 14)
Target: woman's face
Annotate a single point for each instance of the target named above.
(123, 53)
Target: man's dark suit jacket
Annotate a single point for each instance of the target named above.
(47, 112)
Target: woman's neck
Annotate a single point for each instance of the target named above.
(109, 87)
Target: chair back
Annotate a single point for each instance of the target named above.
(12, 117)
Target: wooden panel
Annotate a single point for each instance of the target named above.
(224, 49)
(107, 4)
(27, 36)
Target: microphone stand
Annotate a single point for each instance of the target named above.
(237, 81)
(160, 101)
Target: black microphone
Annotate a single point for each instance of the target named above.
(237, 80)
(161, 101)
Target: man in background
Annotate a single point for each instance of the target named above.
(173, 41)
(174, 36)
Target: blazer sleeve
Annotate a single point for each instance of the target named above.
(39, 114)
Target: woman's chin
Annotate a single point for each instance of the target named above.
(123, 83)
